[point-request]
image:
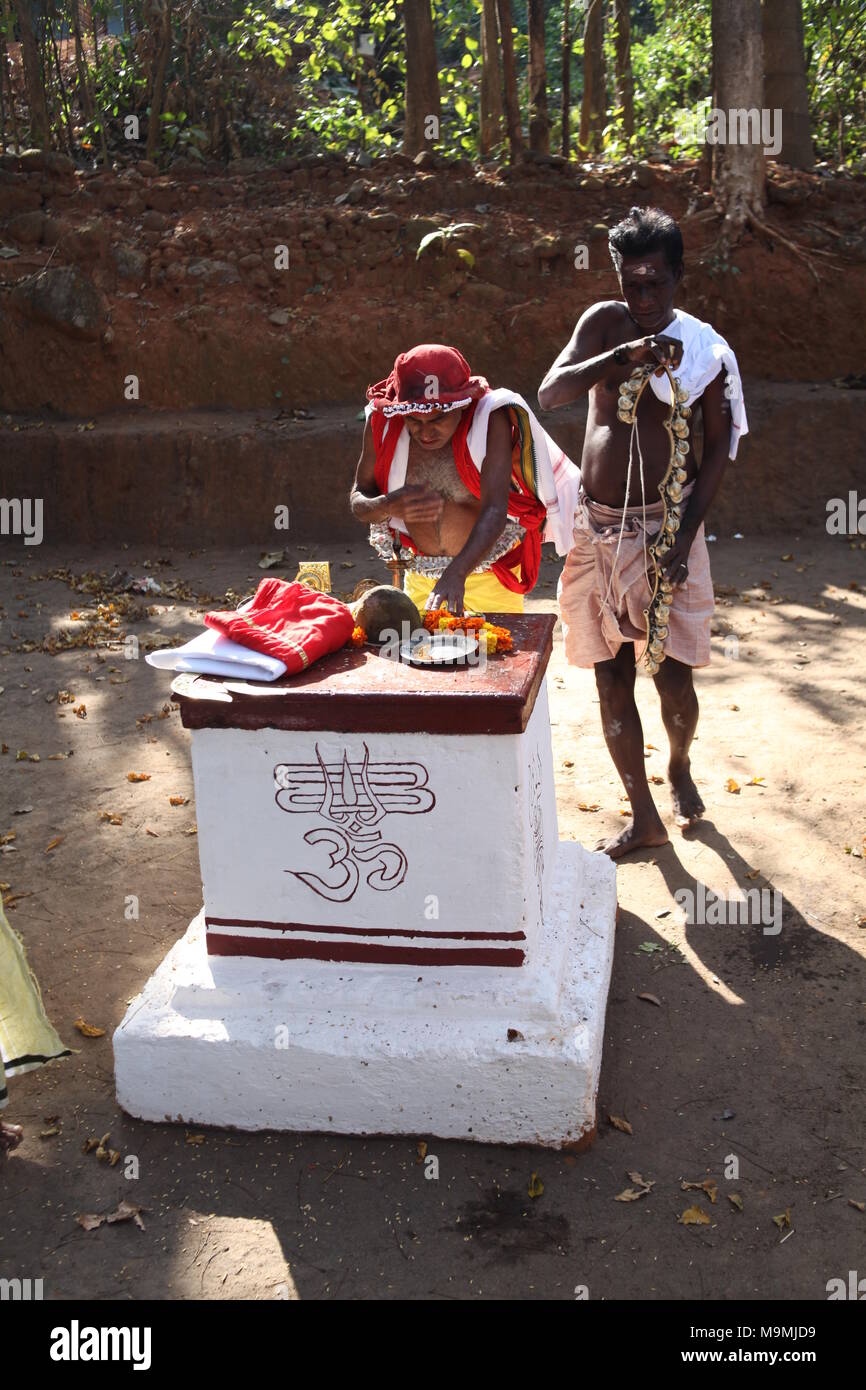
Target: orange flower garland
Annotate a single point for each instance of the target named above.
(358, 637)
(497, 639)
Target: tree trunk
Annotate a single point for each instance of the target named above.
(422, 78)
(785, 79)
(33, 85)
(738, 66)
(539, 120)
(491, 80)
(566, 78)
(6, 74)
(622, 69)
(163, 55)
(509, 78)
(594, 107)
(83, 84)
(65, 111)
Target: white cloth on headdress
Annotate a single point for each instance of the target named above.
(212, 654)
(558, 479)
(704, 352)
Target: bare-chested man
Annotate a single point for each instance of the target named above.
(604, 586)
(444, 479)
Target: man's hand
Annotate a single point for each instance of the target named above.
(676, 563)
(417, 503)
(447, 592)
(657, 347)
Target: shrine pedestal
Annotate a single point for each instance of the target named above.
(393, 938)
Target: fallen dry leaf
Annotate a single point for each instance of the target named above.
(731, 785)
(693, 1216)
(860, 1206)
(111, 817)
(783, 1221)
(58, 840)
(735, 1200)
(49, 1133)
(755, 782)
(536, 1186)
(620, 1124)
(641, 1182)
(138, 776)
(651, 999)
(193, 1138)
(582, 806)
(178, 801)
(88, 1029)
(753, 873)
(711, 1188)
(631, 1194)
(124, 1211)
(422, 1150)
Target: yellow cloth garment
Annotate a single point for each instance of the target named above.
(484, 593)
(27, 1039)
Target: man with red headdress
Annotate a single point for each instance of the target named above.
(460, 484)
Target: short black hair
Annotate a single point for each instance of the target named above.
(646, 229)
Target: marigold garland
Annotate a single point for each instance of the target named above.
(496, 639)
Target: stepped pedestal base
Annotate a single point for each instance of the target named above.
(481, 1053)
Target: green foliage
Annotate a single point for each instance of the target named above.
(835, 40)
(268, 76)
(443, 235)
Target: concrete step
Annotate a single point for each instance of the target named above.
(210, 477)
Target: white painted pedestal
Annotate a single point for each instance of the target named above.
(394, 940)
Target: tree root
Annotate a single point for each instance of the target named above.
(753, 221)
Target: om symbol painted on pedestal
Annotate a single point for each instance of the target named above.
(353, 797)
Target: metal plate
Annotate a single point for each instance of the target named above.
(439, 649)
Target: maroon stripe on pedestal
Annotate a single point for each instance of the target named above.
(367, 931)
(358, 952)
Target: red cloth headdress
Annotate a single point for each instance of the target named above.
(428, 377)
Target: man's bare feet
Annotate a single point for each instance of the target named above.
(635, 835)
(10, 1137)
(688, 806)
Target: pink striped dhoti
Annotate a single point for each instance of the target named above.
(602, 597)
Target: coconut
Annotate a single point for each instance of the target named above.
(385, 608)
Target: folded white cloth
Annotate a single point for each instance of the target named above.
(557, 478)
(212, 654)
(704, 352)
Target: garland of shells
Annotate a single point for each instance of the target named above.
(670, 491)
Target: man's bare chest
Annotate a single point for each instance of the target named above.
(436, 469)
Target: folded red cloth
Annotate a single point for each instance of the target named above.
(290, 621)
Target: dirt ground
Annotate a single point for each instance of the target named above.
(751, 1049)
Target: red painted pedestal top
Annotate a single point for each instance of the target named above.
(359, 691)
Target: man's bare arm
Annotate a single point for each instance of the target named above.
(369, 504)
(491, 519)
(585, 359)
(365, 499)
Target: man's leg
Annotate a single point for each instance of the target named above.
(624, 738)
(680, 715)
